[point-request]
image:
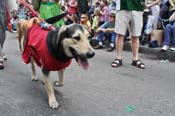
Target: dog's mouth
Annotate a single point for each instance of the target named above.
(81, 59)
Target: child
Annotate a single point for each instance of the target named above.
(95, 20)
(85, 21)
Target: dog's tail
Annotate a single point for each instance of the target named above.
(54, 19)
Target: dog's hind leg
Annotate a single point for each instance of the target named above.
(19, 36)
(34, 77)
(60, 83)
(49, 89)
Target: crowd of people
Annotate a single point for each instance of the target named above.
(111, 20)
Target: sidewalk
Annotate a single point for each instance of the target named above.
(160, 55)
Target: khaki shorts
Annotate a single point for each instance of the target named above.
(132, 19)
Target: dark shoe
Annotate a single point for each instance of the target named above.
(138, 63)
(110, 49)
(116, 63)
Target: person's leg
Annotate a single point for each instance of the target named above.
(121, 24)
(109, 37)
(135, 47)
(167, 34)
(173, 37)
(155, 10)
(100, 37)
(136, 27)
(119, 45)
(2, 39)
(113, 39)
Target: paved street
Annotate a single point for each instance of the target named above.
(99, 91)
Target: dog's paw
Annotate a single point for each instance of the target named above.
(53, 104)
(58, 84)
(34, 78)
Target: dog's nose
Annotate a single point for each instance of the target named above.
(90, 54)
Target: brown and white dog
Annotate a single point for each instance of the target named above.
(52, 50)
(22, 28)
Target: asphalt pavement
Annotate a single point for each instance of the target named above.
(98, 91)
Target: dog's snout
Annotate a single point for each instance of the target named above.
(90, 54)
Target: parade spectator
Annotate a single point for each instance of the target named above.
(104, 12)
(85, 21)
(48, 9)
(95, 21)
(83, 7)
(169, 35)
(22, 12)
(13, 21)
(154, 8)
(73, 12)
(4, 18)
(107, 31)
(112, 5)
(130, 13)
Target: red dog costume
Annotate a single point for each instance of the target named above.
(36, 47)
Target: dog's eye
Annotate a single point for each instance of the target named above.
(77, 38)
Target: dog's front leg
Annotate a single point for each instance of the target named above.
(60, 83)
(49, 89)
(34, 77)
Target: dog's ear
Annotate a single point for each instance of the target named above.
(61, 34)
(36, 21)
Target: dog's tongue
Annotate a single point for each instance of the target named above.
(83, 63)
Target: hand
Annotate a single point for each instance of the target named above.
(148, 6)
(146, 10)
(172, 9)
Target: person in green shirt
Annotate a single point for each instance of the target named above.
(48, 9)
(130, 12)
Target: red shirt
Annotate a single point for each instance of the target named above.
(36, 47)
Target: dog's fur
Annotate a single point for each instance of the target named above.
(70, 41)
(22, 28)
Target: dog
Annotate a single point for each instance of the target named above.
(53, 50)
(22, 28)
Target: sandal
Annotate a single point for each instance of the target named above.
(116, 63)
(138, 63)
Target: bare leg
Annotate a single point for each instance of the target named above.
(135, 48)
(119, 45)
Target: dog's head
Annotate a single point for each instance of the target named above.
(72, 42)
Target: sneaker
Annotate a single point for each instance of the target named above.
(110, 49)
(165, 48)
(14, 31)
(172, 48)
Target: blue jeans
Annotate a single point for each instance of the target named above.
(110, 36)
(169, 35)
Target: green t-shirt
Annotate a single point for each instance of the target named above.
(137, 5)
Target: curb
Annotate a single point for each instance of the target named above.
(156, 52)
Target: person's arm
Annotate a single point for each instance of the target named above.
(101, 28)
(172, 17)
(154, 3)
(171, 3)
(110, 29)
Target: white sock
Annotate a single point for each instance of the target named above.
(100, 43)
(112, 44)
